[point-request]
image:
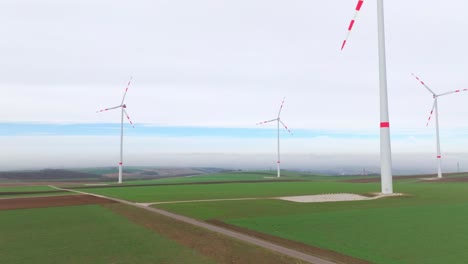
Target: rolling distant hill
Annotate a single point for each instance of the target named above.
(48, 174)
(149, 172)
(102, 173)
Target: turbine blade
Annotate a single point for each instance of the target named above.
(351, 24)
(286, 127)
(264, 122)
(427, 87)
(430, 115)
(126, 89)
(129, 120)
(107, 109)
(456, 91)
(281, 107)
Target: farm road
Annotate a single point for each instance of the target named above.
(236, 235)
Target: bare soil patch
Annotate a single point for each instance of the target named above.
(220, 248)
(51, 201)
(308, 249)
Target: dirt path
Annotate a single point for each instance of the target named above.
(224, 231)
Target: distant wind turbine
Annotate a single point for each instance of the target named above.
(385, 145)
(435, 107)
(122, 106)
(278, 121)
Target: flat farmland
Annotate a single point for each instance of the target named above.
(427, 226)
(244, 176)
(84, 234)
(164, 193)
(28, 191)
(25, 188)
(88, 229)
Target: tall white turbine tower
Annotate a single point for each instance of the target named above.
(435, 107)
(278, 121)
(385, 145)
(122, 106)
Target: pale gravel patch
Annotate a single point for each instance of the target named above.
(334, 197)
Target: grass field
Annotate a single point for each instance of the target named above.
(243, 176)
(83, 234)
(108, 170)
(229, 190)
(26, 189)
(428, 227)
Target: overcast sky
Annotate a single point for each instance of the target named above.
(206, 71)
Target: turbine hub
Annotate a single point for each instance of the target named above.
(124, 106)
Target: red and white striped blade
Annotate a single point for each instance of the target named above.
(351, 24)
(286, 127)
(128, 117)
(264, 122)
(107, 109)
(126, 89)
(430, 115)
(281, 107)
(456, 91)
(427, 87)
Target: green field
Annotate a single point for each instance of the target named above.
(26, 189)
(229, 190)
(244, 176)
(29, 191)
(430, 226)
(83, 234)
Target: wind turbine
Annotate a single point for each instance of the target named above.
(435, 107)
(278, 121)
(385, 146)
(122, 107)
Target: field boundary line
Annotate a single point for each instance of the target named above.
(245, 238)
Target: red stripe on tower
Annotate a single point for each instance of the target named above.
(120, 163)
(384, 124)
(439, 157)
